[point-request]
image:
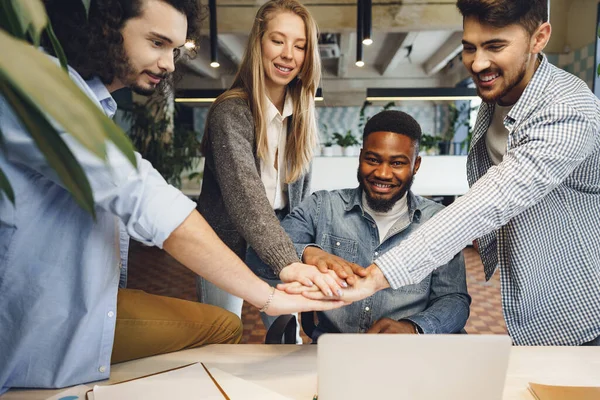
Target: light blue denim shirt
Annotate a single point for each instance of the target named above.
(336, 222)
(59, 269)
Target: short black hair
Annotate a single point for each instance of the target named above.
(394, 121)
(530, 14)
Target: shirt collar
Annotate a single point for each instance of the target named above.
(109, 105)
(354, 199)
(538, 82)
(273, 112)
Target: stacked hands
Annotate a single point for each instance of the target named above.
(324, 276)
(336, 282)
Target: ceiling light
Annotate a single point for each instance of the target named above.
(212, 7)
(359, 33)
(210, 95)
(367, 22)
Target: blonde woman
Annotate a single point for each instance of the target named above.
(258, 143)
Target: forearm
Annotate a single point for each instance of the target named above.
(196, 246)
(448, 314)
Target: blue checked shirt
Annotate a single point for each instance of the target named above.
(59, 269)
(536, 215)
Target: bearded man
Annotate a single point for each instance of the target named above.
(534, 176)
(63, 317)
(355, 226)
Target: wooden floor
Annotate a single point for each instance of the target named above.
(154, 271)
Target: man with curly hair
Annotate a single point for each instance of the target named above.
(63, 319)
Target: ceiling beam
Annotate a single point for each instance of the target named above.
(445, 53)
(232, 46)
(201, 65)
(394, 51)
(336, 16)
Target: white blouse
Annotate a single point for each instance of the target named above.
(273, 178)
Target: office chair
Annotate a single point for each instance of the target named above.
(283, 330)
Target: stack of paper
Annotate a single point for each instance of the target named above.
(195, 381)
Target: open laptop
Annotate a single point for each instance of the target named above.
(412, 367)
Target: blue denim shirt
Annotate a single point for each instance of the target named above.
(59, 269)
(336, 222)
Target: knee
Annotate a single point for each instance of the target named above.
(232, 328)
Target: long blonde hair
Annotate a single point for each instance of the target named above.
(249, 84)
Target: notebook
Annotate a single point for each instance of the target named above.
(415, 367)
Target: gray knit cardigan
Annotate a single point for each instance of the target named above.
(233, 199)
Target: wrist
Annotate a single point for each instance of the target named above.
(379, 278)
(269, 300)
(308, 251)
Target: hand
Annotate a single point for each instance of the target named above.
(387, 325)
(283, 303)
(325, 261)
(307, 275)
(363, 288)
(476, 245)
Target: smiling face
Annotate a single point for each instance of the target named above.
(151, 42)
(283, 50)
(501, 61)
(388, 164)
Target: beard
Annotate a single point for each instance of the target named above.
(510, 85)
(128, 75)
(383, 204)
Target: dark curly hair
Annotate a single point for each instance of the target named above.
(394, 121)
(94, 44)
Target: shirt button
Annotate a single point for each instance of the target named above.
(337, 243)
(374, 225)
(102, 369)
(376, 253)
(367, 308)
(111, 314)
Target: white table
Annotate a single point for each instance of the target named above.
(291, 369)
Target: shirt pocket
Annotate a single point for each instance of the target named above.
(341, 247)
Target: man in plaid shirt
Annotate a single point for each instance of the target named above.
(534, 170)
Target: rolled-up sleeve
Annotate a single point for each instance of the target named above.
(149, 207)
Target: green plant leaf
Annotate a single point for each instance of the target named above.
(36, 77)
(86, 4)
(6, 188)
(58, 50)
(32, 17)
(9, 20)
(48, 140)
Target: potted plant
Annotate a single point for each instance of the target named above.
(28, 75)
(429, 145)
(346, 142)
(170, 148)
(457, 118)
